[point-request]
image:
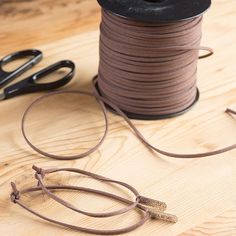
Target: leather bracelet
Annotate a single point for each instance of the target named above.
(147, 213)
(16, 194)
(40, 174)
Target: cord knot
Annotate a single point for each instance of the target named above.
(15, 194)
(39, 171)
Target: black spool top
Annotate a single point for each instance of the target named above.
(156, 10)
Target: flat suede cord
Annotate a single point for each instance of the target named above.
(16, 199)
(138, 199)
(147, 68)
(148, 208)
(102, 101)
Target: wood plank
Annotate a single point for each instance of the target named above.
(195, 190)
(31, 23)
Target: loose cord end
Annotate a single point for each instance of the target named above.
(230, 111)
(160, 206)
(157, 215)
(39, 171)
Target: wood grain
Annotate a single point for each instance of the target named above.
(201, 192)
(223, 225)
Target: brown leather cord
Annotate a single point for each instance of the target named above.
(147, 68)
(15, 198)
(40, 174)
(230, 111)
(155, 212)
(104, 110)
(102, 101)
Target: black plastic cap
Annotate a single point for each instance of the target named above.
(156, 10)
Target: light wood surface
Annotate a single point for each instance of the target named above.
(201, 192)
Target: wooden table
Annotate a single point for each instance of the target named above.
(202, 192)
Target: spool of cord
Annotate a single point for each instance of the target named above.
(148, 55)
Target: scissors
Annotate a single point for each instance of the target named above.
(29, 84)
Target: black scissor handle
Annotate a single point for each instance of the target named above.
(30, 85)
(7, 77)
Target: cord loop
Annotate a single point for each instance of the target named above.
(145, 213)
(39, 171)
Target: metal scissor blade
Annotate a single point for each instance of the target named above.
(2, 96)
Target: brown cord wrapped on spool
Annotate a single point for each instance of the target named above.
(149, 69)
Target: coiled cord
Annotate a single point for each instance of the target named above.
(147, 68)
